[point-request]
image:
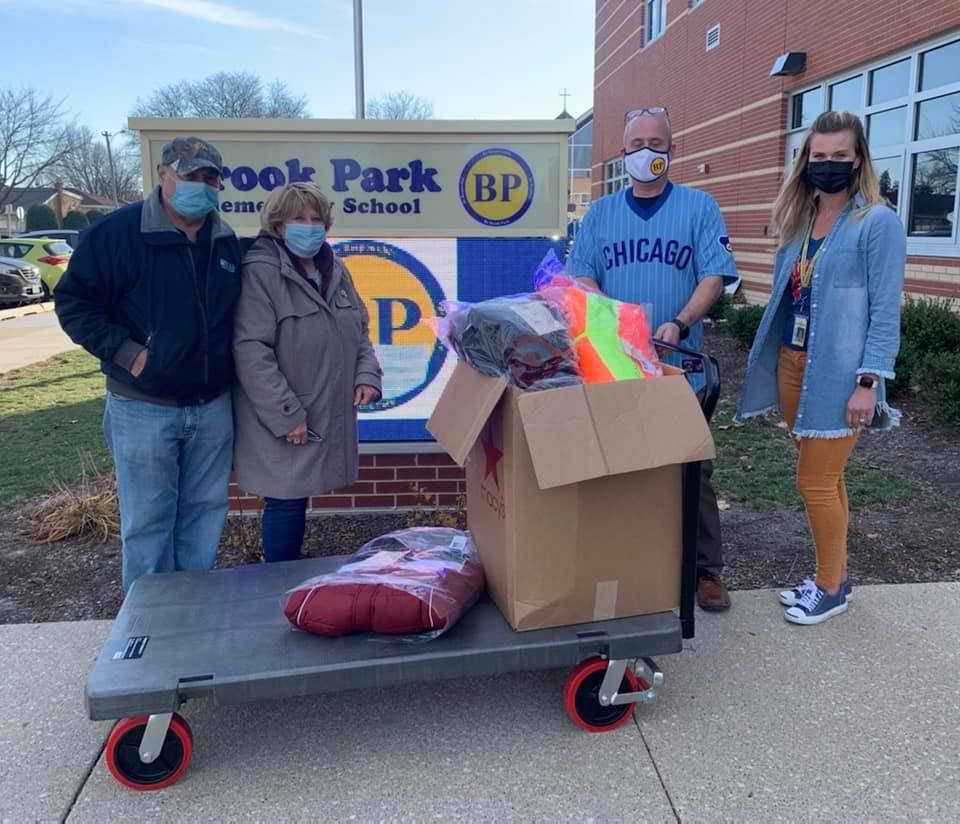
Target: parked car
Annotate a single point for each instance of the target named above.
(71, 236)
(47, 254)
(19, 282)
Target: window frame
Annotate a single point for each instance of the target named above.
(615, 176)
(910, 147)
(13, 245)
(654, 9)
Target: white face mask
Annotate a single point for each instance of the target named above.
(646, 164)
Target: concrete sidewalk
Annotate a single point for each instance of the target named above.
(31, 338)
(758, 720)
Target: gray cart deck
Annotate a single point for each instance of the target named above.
(223, 635)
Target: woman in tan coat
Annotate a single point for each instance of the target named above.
(304, 365)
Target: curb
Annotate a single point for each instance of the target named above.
(23, 311)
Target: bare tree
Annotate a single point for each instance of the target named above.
(34, 138)
(223, 95)
(87, 167)
(400, 106)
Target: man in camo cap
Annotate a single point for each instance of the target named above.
(151, 291)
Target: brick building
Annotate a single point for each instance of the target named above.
(736, 128)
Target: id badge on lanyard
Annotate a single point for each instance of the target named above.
(800, 324)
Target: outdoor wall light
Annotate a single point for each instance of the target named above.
(788, 64)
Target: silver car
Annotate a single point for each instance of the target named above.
(19, 282)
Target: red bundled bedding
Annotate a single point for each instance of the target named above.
(411, 582)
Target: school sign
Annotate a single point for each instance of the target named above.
(425, 211)
(391, 178)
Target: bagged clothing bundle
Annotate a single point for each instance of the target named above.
(524, 337)
(413, 582)
(561, 334)
(611, 339)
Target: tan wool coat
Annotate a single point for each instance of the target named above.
(299, 357)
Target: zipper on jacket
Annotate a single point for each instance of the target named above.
(203, 315)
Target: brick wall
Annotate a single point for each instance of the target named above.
(729, 116)
(386, 482)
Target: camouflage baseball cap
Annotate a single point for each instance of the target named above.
(187, 154)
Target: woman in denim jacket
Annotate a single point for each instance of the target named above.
(829, 336)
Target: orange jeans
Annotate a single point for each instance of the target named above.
(820, 466)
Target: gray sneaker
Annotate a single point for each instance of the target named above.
(791, 597)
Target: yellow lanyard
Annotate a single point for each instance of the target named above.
(806, 266)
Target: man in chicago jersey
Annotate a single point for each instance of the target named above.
(664, 245)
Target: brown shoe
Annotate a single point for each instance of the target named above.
(712, 595)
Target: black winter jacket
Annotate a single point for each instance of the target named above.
(131, 285)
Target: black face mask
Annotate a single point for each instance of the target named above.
(830, 176)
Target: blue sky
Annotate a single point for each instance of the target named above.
(472, 58)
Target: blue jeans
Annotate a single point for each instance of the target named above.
(173, 469)
(282, 527)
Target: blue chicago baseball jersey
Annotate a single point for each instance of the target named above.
(654, 254)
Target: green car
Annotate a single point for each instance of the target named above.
(48, 254)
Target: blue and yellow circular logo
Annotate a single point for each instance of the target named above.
(400, 293)
(496, 187)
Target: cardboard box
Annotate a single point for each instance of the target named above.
(574, 494)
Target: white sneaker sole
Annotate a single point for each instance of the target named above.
(815, 619)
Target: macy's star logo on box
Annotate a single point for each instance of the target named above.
(492, 455)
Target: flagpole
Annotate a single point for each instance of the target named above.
(358, 56)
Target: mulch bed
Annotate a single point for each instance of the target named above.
(917, 542)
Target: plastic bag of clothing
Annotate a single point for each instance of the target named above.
(524, 337)
(612, 339)
(415, 583)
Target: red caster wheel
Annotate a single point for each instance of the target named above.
(126, 765)
(581, 697)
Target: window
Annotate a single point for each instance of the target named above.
(847, 96)
(806, 106)
(614, 176)
(939, 67)
(889, 170)
(887, 128)
(581, 151)
(655, 19)
(911, 110)
(713, 37)
(933, 200)
(890, 82)
(938, 117)
(14, 250)
(59, 248)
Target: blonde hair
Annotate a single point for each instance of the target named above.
(287, 202)
(796, 203)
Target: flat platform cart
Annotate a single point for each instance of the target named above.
(222, 635)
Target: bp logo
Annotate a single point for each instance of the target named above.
(658, 166)
(399, 292)
(496, 187)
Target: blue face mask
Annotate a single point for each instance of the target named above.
(193, 199)
(305, 239)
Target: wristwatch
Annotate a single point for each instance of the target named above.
(866, 381)
(684, 329)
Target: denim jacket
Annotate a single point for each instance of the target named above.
(854, 324)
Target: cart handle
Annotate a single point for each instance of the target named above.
(711, 375)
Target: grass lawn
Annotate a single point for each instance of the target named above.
(756, 465)
(50, 428)
(50, 424)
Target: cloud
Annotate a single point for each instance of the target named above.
(226, 15)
